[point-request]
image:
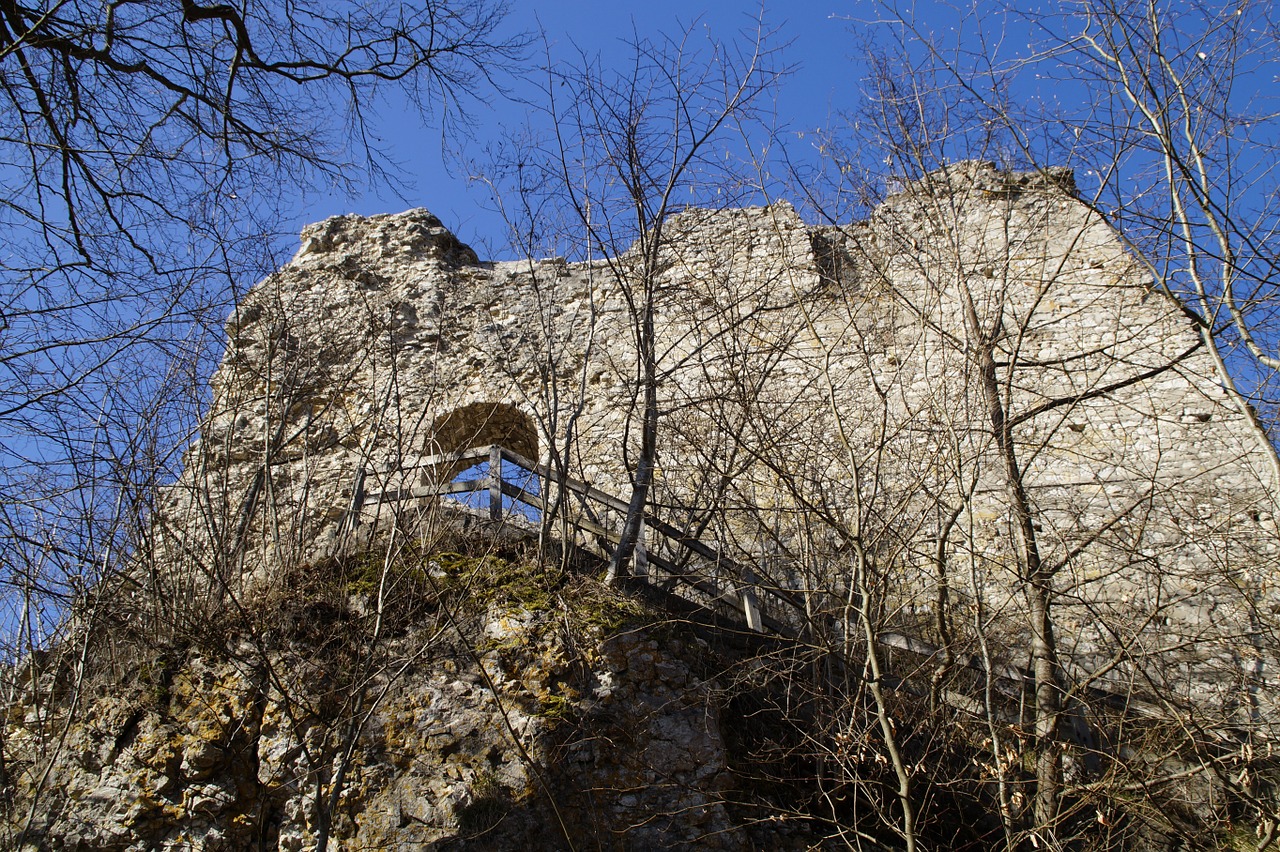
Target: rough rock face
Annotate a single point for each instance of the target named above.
(498, 728)
(885, 391)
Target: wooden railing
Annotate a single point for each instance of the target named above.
(700, 572)
(704, 576)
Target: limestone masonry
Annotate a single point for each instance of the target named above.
(818, 385)
(853, 413)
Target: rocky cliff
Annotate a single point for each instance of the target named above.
(501, 704)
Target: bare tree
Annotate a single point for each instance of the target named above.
(624, 152)
(991, 292)
(143, 156)
(146, 160)
(1161, 110)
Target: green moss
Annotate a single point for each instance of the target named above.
(417, 581)
(608, 611)
(155, 676)
(490, 579)
(364, 575)
(555, 708)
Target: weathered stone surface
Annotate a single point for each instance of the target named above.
(505, 740)
(800, 368)
(816, 383)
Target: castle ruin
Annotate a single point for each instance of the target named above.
(820, 393)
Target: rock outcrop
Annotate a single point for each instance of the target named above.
(899, 410)
(541, 713)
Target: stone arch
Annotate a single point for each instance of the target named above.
(483, 423)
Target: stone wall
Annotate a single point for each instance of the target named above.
(818, 389)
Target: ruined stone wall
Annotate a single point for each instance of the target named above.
(1152, 494)
(817, 386)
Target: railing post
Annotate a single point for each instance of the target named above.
(352, 520)
(750, 604)
(495, 483)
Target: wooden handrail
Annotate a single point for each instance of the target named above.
(656, 524)
(744, 600)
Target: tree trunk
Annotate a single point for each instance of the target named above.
(620, 565)
(1037, 584)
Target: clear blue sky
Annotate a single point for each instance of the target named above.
(822, 48)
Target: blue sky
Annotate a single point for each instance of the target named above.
(821, 46)
(60, 440)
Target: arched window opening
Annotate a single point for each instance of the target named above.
(476, 427)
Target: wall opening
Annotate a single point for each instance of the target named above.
(482, 424)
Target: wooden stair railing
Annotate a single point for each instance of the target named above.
(763, 608)
(743, 594)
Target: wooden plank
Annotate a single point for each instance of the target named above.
(597, 530)
(541, 504)
(678, 536)
(477, 454)
(920, 648)
(519, 460)
(515, 492)
(595, 494)
(352, 518)
(422, 492)
(750, 605)
(639, 555)
(578, 486)
(731, 600)
(697, 547)
(495, 483)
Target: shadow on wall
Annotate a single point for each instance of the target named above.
(481, 424)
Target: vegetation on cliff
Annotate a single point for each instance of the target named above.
(996, 433)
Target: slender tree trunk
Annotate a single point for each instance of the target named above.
(942, 618)
(904, 793)
(643, 482)
(1037, 584)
